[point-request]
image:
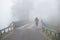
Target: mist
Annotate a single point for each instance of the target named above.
(5, 13)
(29, 19)
(18, 10)
(47, 10)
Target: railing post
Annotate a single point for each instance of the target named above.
(8, 29)
(55, 34)
(4, 30)
(11, 28)
(0, 34)
(58, 36)
(50, 32)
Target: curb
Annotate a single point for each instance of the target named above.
(7, 35)
(44, 34)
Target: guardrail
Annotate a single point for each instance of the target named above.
(54, 35)
(5, 31)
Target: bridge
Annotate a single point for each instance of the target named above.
(15, 17)
(28, 32)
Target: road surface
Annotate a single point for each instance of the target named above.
(30, 32)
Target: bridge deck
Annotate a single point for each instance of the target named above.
(30, 32)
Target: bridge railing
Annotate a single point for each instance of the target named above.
(54, 34)
(6, 30)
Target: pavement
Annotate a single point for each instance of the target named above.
(30, 32)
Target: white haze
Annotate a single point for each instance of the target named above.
(5, 13)
(48, 10)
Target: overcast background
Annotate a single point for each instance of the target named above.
(14, 10)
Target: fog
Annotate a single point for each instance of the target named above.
(18, 10)
(5, 13)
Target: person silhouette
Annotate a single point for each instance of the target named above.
(36, 21)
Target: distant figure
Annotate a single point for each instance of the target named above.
(36, 21)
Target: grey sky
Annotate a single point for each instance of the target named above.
(48, 10)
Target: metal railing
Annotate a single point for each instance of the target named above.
(5, 31)
(54, 34)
